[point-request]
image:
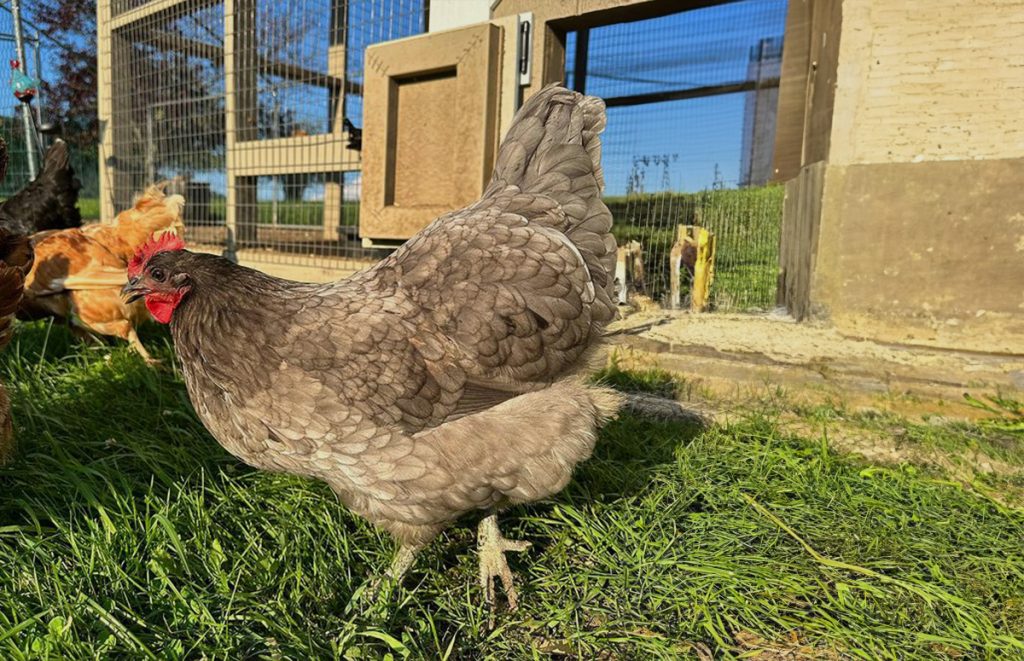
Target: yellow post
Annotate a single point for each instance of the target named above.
(703, 268)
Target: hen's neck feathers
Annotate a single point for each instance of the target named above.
(226, 297)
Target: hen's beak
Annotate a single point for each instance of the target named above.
(134, 290)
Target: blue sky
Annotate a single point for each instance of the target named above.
(699, 48)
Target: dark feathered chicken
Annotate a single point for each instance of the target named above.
(438, 382)
(49, 201)
(15, 262)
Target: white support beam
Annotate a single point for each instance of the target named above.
(296, 155)
(104, 84)
(149, 9)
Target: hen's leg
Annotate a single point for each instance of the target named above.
(84, 335)
(381, 585)
(404, 559)
(491, 547)
(136, 343)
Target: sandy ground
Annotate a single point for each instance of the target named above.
(785, 342)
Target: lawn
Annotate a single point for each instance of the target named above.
(288, 213)
(89, 207)
(126, 531)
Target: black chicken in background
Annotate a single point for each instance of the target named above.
(355, 135)
(16, 256)
(48, 202)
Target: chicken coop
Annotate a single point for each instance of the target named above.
(309, 138)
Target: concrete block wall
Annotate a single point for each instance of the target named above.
(919, 236)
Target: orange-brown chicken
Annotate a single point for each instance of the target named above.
(78, 273)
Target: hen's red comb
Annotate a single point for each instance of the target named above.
(163, 243)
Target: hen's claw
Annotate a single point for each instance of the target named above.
(133, 339)
(492, 547)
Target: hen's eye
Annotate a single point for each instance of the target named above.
(157, 274)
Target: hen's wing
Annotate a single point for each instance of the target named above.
(513, 295)
(69, 260)
(337, 351)
(521, 282)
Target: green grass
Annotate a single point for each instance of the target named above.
(90, 208)
(288, 213)
(294, 213)
(127, 532)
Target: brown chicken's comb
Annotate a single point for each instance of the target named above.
(163, 243)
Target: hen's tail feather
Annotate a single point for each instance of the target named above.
(57, 168)
(553, 148)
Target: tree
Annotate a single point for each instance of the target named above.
(72, 25)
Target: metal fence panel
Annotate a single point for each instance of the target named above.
(691, 123)
(270, 165)
(252, 109)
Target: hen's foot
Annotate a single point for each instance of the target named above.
(136, 343)
(492, 547)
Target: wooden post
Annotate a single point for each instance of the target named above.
(104, 89)
(629, 269)
(694, 249)
(675, 269)
(621, 277)
(241, 109)
(703, 268)
(638, 276)
(332, 205)
(336, 65)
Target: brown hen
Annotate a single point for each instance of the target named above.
(78, 273)
(442, 380)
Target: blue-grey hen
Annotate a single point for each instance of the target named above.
(442, 380)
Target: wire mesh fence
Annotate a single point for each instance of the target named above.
(272, 169)
(745, 222)
(691, 103)
(253, 108)
(12, 128)
(38, 52)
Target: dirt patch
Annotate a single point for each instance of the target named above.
(782, 340)
(886, 448)
(753, 646)
(886, 445)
